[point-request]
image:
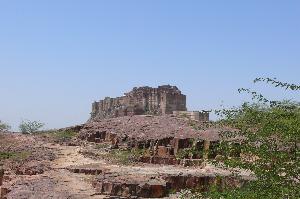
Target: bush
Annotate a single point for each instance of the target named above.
(65, 135)
(14, 155)
(3, 126)
(271, 137)
(125, 157)
(29, 127)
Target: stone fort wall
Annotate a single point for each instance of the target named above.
(193, 115)
(143, 100)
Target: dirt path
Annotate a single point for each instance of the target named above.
(70, 156)
(79, 186)
(76, 185)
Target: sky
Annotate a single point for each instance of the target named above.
(58, 56)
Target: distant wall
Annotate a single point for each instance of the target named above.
(194, 115)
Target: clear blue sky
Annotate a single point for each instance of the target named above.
(58, 56)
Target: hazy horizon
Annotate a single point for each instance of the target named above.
(57, 57)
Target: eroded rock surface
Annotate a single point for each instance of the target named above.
(163, 138)
(147, 127)
(150, 181)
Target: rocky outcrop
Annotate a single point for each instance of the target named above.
(32, 168)
(163, 138)
(34, 187)
(130, 185)
(143, 100)
(141, 128)
(137, 182)
(75, 128)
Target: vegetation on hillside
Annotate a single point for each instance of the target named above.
(270, 132)
(124, 157)
(64, 135)
(14, 155)
(4, 126)
(29, 127)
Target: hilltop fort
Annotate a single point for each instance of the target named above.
(163, 100)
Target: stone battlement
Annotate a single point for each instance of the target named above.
(143, 100)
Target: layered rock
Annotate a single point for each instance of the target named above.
(163, 138)
(153, 182)
(130, 185)
(142, 100)
(142, 127)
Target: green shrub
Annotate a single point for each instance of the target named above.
(125, 156)
(29, 127)
(14, 155)
(103, 146)
(64, 134)
(271, 137)
(4, 126)
(190, 152)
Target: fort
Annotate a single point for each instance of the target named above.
(143, 100)
(163, 100)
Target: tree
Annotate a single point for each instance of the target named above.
(4, 126)
(269, 148)
(29, 127)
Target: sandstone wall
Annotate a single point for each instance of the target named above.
(143, 100)
(193, 115)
